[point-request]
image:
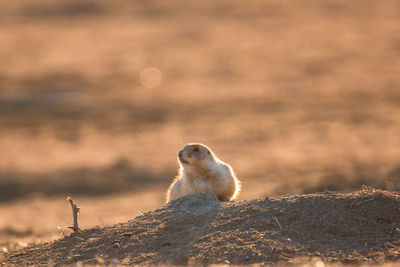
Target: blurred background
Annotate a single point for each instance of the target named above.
(97, 98)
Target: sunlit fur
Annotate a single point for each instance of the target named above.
(202, 172)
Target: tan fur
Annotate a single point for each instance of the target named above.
(202, 172)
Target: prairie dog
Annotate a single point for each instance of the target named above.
(202, 172)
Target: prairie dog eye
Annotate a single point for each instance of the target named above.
(196, 149)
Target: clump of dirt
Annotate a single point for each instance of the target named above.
(358, 227)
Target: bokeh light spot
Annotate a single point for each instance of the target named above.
(150, 77)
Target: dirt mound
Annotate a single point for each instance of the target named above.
(359, 227)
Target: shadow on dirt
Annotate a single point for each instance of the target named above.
(341, 183)
(63, 10)
(121, 176)
(334, 179)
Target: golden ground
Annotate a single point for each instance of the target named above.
(298, 98)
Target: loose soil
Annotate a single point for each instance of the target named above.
(357, 227)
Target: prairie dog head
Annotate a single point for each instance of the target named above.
(195, 155)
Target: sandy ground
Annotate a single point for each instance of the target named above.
(353, 228)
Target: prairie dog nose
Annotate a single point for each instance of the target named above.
(180, 154)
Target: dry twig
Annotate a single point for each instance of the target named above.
(188, 211)
(276, 219)
(75, 211)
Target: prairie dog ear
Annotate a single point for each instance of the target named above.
(210, 154)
